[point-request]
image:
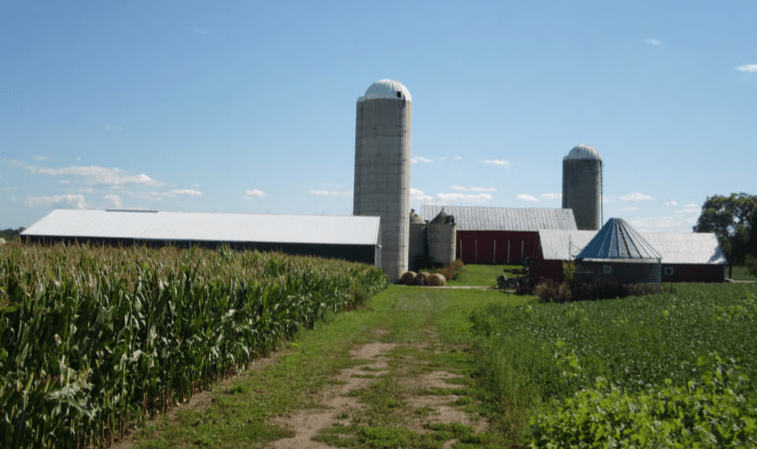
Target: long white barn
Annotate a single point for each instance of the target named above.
(344, 237)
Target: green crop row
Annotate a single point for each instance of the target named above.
(93, 340)
(544, 358)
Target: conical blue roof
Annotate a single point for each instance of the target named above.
(618, 240)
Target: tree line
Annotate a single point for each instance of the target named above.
(10, 233)
(733, 219)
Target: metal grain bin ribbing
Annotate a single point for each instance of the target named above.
(442, 238)
(382, 168)
(619, 254)
(582, 186)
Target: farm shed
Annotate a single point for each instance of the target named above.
(350, 238)
(618, 254)
(686, 256)
(497, 234)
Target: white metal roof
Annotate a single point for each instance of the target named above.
(193, 226)
(674, 247)
(583, 152)
(618, 240)
(474, 218)
(687, 247)
(386, 89)
(558, 244)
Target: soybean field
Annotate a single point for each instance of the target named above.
(671, 370)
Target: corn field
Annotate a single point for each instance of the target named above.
(97, 339)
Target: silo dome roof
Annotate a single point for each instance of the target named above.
(583, 152)
(415, 218)
(386, 89)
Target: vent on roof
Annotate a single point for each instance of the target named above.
(132, 210)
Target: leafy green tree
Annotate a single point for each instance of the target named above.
(733, 219)
(751, 264)
(11, 234)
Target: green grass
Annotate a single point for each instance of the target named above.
(239, 411)
(742, 274)
(481, 275)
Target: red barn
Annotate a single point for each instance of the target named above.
(500, 235)
(686, 257)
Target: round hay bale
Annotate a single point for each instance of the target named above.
(408, 278)
(422, 278)
(437, 280)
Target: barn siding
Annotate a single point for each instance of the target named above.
(353, 253)
(694, 273)
(479, 247)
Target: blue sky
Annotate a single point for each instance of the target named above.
(249, 107)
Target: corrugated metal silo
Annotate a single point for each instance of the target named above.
(382, 168)
(442, 237)
(582, 186)
(418, 249)
(618, 254)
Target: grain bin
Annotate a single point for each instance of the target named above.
(382, 168)
(442, 237)
(619, 255)
(418, 248)
(582, 186)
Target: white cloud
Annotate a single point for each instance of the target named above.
(526, 197)
(113, 201)
(248, 194)
(64, 181)
(629, 209)
(329, 193)
(450, 198)
(107, 127)
(39, 157)
(188, 192)
(496, 162)
(636, 196)
(689, 210)
(417, 159)
(663, 224)
(418, 196)
(653, 42)
(457, 158)
(87, 190)
(474, 189)
(97, 176)
(42, 201)
(552, 196)
(748, 68)
(14, 199)
(691, 205)
(671, 203)
(160, 196)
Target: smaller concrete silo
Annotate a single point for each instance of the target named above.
(418, 248)
(582, 186)
(442, 237)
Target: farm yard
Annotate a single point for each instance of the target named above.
(99, 341)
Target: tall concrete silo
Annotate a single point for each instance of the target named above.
(382, 168)
(582, 186)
